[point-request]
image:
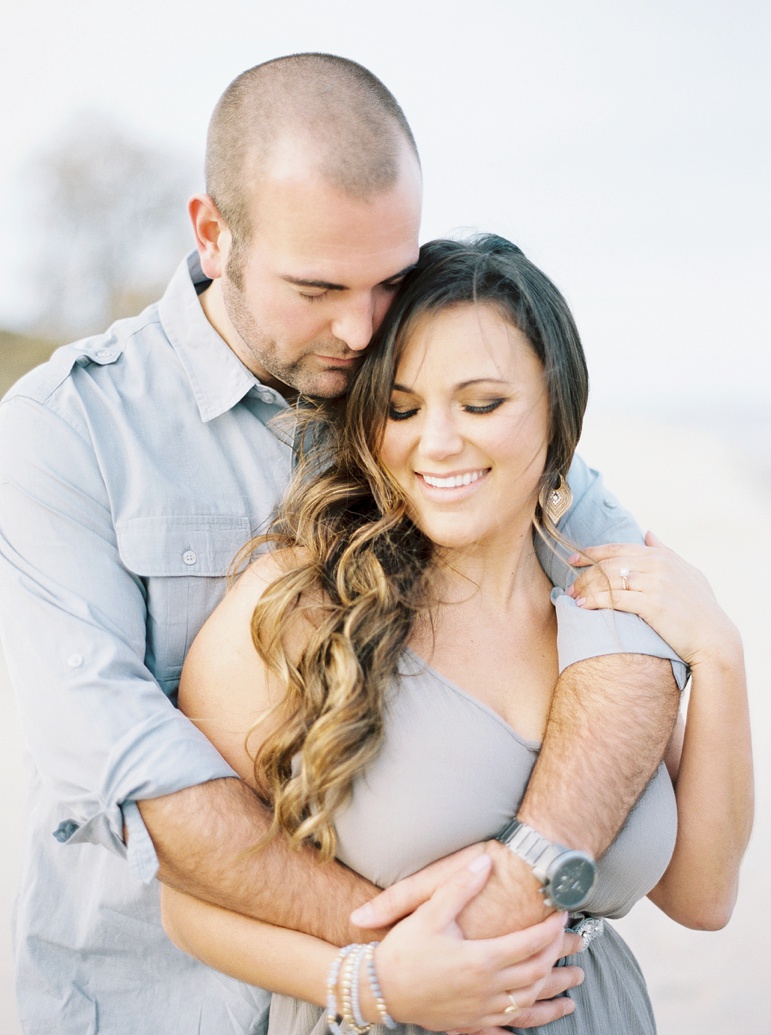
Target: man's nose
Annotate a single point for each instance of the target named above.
(355, 322)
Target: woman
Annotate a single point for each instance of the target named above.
(406, 656)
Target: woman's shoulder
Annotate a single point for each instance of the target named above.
(296, 604)
(267, 568)
(223, 664)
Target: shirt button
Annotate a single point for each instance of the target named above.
(103, 353)
(189, 556)
(610, 503)
(75, 660)
(65, 830)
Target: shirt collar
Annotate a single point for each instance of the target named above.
(217, 376)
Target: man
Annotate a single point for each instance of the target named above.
(133, 467)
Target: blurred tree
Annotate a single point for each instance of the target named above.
(108, 225)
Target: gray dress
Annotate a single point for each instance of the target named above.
(450, 773)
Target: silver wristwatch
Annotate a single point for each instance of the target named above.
(566, 874)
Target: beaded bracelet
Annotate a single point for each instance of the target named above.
(374, 986)
(346, 968)
(349, 993)
(358, 1020)
(334, 972)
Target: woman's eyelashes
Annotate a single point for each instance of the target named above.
(402, 412)
(395, 413)
(482, 407)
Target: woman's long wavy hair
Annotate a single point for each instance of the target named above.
(364, 569)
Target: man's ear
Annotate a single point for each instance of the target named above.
(212, 236)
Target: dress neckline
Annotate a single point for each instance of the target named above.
(527, 742)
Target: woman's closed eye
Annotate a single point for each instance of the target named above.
(401, 412)
(482, 407)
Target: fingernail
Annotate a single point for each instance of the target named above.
(573, 558)
(364, 916)
(482, 862)
(571, 590)
(580, 601)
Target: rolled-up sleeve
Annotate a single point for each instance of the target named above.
(596, 517)
(101, 731)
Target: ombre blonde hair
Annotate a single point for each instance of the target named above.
(364, 569)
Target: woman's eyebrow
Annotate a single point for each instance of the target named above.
(461, 384)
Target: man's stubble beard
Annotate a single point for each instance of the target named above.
(261, 351)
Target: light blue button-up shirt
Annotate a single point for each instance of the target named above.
(133, 468)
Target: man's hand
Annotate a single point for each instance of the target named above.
(508, 902)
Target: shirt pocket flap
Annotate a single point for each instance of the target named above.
(172, 545)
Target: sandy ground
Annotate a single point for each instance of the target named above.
(705, 499)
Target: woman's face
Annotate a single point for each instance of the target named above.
(468, 429)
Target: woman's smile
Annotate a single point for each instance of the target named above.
(452, 481)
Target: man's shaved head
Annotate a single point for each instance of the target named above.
(353, 126)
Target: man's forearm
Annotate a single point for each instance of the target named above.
(205, 838)
(610, 722)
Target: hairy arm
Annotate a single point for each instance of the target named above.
(609, 725)
(205, 838)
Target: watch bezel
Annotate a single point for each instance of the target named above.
(579, 868)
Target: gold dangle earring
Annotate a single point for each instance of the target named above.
(556, 502)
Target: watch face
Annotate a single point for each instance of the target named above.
(571, 881)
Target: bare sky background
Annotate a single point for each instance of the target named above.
(626, 148)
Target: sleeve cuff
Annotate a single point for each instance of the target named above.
(141, 855)
(164, 765)
(593, 634)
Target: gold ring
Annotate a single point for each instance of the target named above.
(514, 1009)
(624, 574)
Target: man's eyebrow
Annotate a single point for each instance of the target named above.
(326, 285)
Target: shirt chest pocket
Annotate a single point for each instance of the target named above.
(182, 563)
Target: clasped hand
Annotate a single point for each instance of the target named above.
(434, 976)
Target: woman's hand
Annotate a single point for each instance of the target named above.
(653, 582)
(431, 976)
